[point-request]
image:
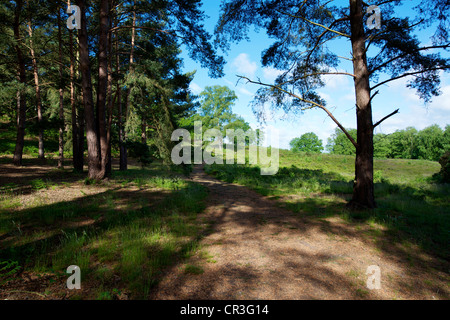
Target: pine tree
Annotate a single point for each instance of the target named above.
(304, 32)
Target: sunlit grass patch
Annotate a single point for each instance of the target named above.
(410, 203)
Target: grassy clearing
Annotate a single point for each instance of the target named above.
(31, 143)
(122, 234)
(414, 209)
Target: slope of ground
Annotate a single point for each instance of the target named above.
(150, 234)
(257, 250)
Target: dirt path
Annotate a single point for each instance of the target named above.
(261, 251)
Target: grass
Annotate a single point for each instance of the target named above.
(411, 205)
(124, 234)
(131, 229)
(395, 170)
(192, 269)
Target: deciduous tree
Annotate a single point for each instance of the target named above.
(308, 142)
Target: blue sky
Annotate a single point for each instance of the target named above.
(244, 59)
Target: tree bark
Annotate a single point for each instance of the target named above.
(123, 151)
(38, 93)
(77, 114)
(102, 90)
(61, 96)
(21, 102)
(123, 157)
(94, 156)
(77, 164)
(144, 130)
(363, 189)
(81, 136)
(109, 98)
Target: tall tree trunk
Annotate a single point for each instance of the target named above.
(81, 137)
(102, 90)
(61, 97)
(38, 92)
(77, 158)
(94, 156)
(109, 98)
(144, 130)
(123, 157)
(77, 114)
(123, 150)
(21, 102)
(363, 190)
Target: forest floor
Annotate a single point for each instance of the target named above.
(259, 250)
(241, 245)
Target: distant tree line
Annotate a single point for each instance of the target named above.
(428, 144)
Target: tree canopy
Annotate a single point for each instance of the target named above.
(430, 143)
(308, 142)
(215, 111)
(338, 143)
(118, 76)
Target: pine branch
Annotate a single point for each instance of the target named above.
(144, 28)
(385, 118)
(318, 74)
(317, 24)
(409, 74)
(313, 105)
(317, 44)
(406, 54)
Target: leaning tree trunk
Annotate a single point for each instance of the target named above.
(21, 102)
(94, 157)
(38, 93)
(363, 190)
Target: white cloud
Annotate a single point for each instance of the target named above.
(324, 96)
(349, 96)
(295, 126)
(443, 101)
(228, 82)
(244, 91)
(195, 88)
(334, 82)
(244, 66)
(413, 112)
(270, 74)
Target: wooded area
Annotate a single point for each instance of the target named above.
(117, 77)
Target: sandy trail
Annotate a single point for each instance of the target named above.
(261, 251)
